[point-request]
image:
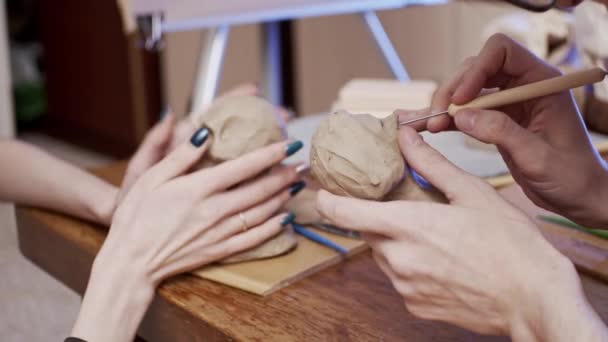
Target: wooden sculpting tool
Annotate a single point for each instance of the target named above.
(525, 92)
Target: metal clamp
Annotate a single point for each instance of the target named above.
(150, 31)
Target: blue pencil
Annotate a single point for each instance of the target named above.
(305, 232)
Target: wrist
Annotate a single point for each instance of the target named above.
(102, 205)
(114, 303)
(554, 308)
(542, 295)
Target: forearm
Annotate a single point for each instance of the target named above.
(32, 177)
(114, 304)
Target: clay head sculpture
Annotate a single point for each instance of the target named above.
(358, 156)
(240, 124)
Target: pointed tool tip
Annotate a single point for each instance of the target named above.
(421, 118)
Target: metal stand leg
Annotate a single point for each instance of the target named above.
(272, 63)
(385, 46)
(209, 67)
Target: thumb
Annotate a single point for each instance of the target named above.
(180, 160)
(494, 127)
(452, 181)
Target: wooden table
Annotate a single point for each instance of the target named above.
(352, 301)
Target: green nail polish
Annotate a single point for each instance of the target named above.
(165, 112)
(296, 187)
(288, 219)
(199, 137)
(293, 148)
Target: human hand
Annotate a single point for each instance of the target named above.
(478, 262)
(543, 141)
(171, 222)
(153, 148)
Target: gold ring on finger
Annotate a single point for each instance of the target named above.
(243, 222)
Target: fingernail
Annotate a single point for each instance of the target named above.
(296, 187)
(293, 147)
(288, 219)
(199, 137)
(302, 168)
(465, 120)
(418, 179)
(165, 112)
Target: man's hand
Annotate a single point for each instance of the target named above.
(543, 141)
(478, 262)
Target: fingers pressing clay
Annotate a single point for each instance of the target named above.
(282, 240)
(433, 165)
(240, 124)
(263, 188)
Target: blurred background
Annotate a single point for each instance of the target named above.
(76, 81)
(79, 76)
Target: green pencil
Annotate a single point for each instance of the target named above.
(569, 224)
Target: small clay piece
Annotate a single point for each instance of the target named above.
(278, 245)
(358, 155)
(240, 124)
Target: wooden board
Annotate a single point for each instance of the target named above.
(263, 277)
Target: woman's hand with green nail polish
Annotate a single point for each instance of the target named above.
(168, 134)
(171, 221)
